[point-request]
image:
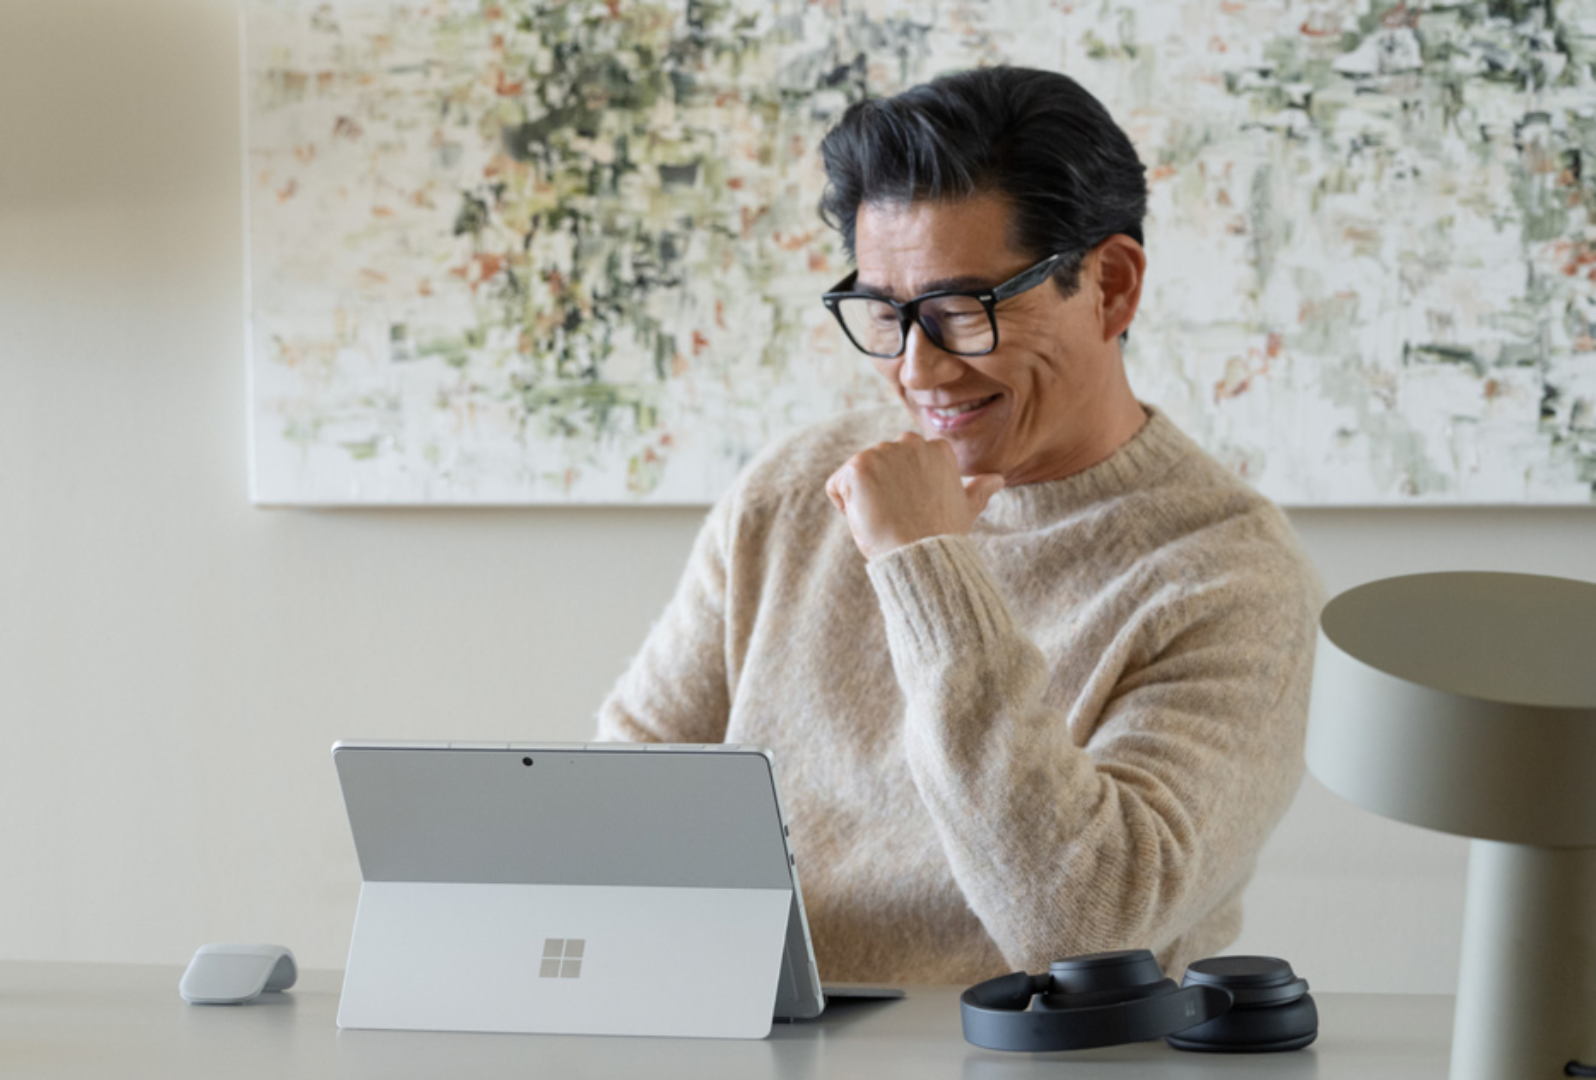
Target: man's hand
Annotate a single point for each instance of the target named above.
(898, 492)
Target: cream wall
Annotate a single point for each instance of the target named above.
(174, 664)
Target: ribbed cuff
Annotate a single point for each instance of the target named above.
(938, 601)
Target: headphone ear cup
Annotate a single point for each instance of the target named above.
(1254, 1031)
(1271, 1009)
(1112, 978)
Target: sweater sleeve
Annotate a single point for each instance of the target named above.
(676, 689)
(1114, 808)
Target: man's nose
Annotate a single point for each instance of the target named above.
(925, 366)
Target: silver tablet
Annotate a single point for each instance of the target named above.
(602, 888)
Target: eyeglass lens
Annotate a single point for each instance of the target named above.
(959, 324)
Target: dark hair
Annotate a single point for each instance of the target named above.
(1037, 137)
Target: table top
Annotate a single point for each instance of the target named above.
(67, 1021)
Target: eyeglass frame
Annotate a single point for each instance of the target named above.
(908, 311)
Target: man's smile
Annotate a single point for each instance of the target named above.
(950, 417)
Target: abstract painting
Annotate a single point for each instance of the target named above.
(568, 252)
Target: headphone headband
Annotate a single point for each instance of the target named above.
(997, 1015)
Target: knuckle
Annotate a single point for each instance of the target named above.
(868, 460)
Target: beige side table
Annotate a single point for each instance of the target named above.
(1466, 702)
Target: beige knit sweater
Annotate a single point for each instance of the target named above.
(1067, 732)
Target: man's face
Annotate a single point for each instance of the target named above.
(1025, 410)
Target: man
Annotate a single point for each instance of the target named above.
(1035, 672)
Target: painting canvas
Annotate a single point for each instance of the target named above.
(508, 252)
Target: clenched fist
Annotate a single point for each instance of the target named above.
(895, 493)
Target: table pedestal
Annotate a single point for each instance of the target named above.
(1526, 1002)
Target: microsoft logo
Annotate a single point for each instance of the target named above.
(562, 958)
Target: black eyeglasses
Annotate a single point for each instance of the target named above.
(962, 323)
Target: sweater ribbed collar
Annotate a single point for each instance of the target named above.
(1150, 452)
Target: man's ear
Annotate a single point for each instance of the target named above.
(1121, 265)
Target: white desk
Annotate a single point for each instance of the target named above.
(73, 1021)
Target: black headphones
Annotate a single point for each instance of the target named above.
(1230, 1004)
